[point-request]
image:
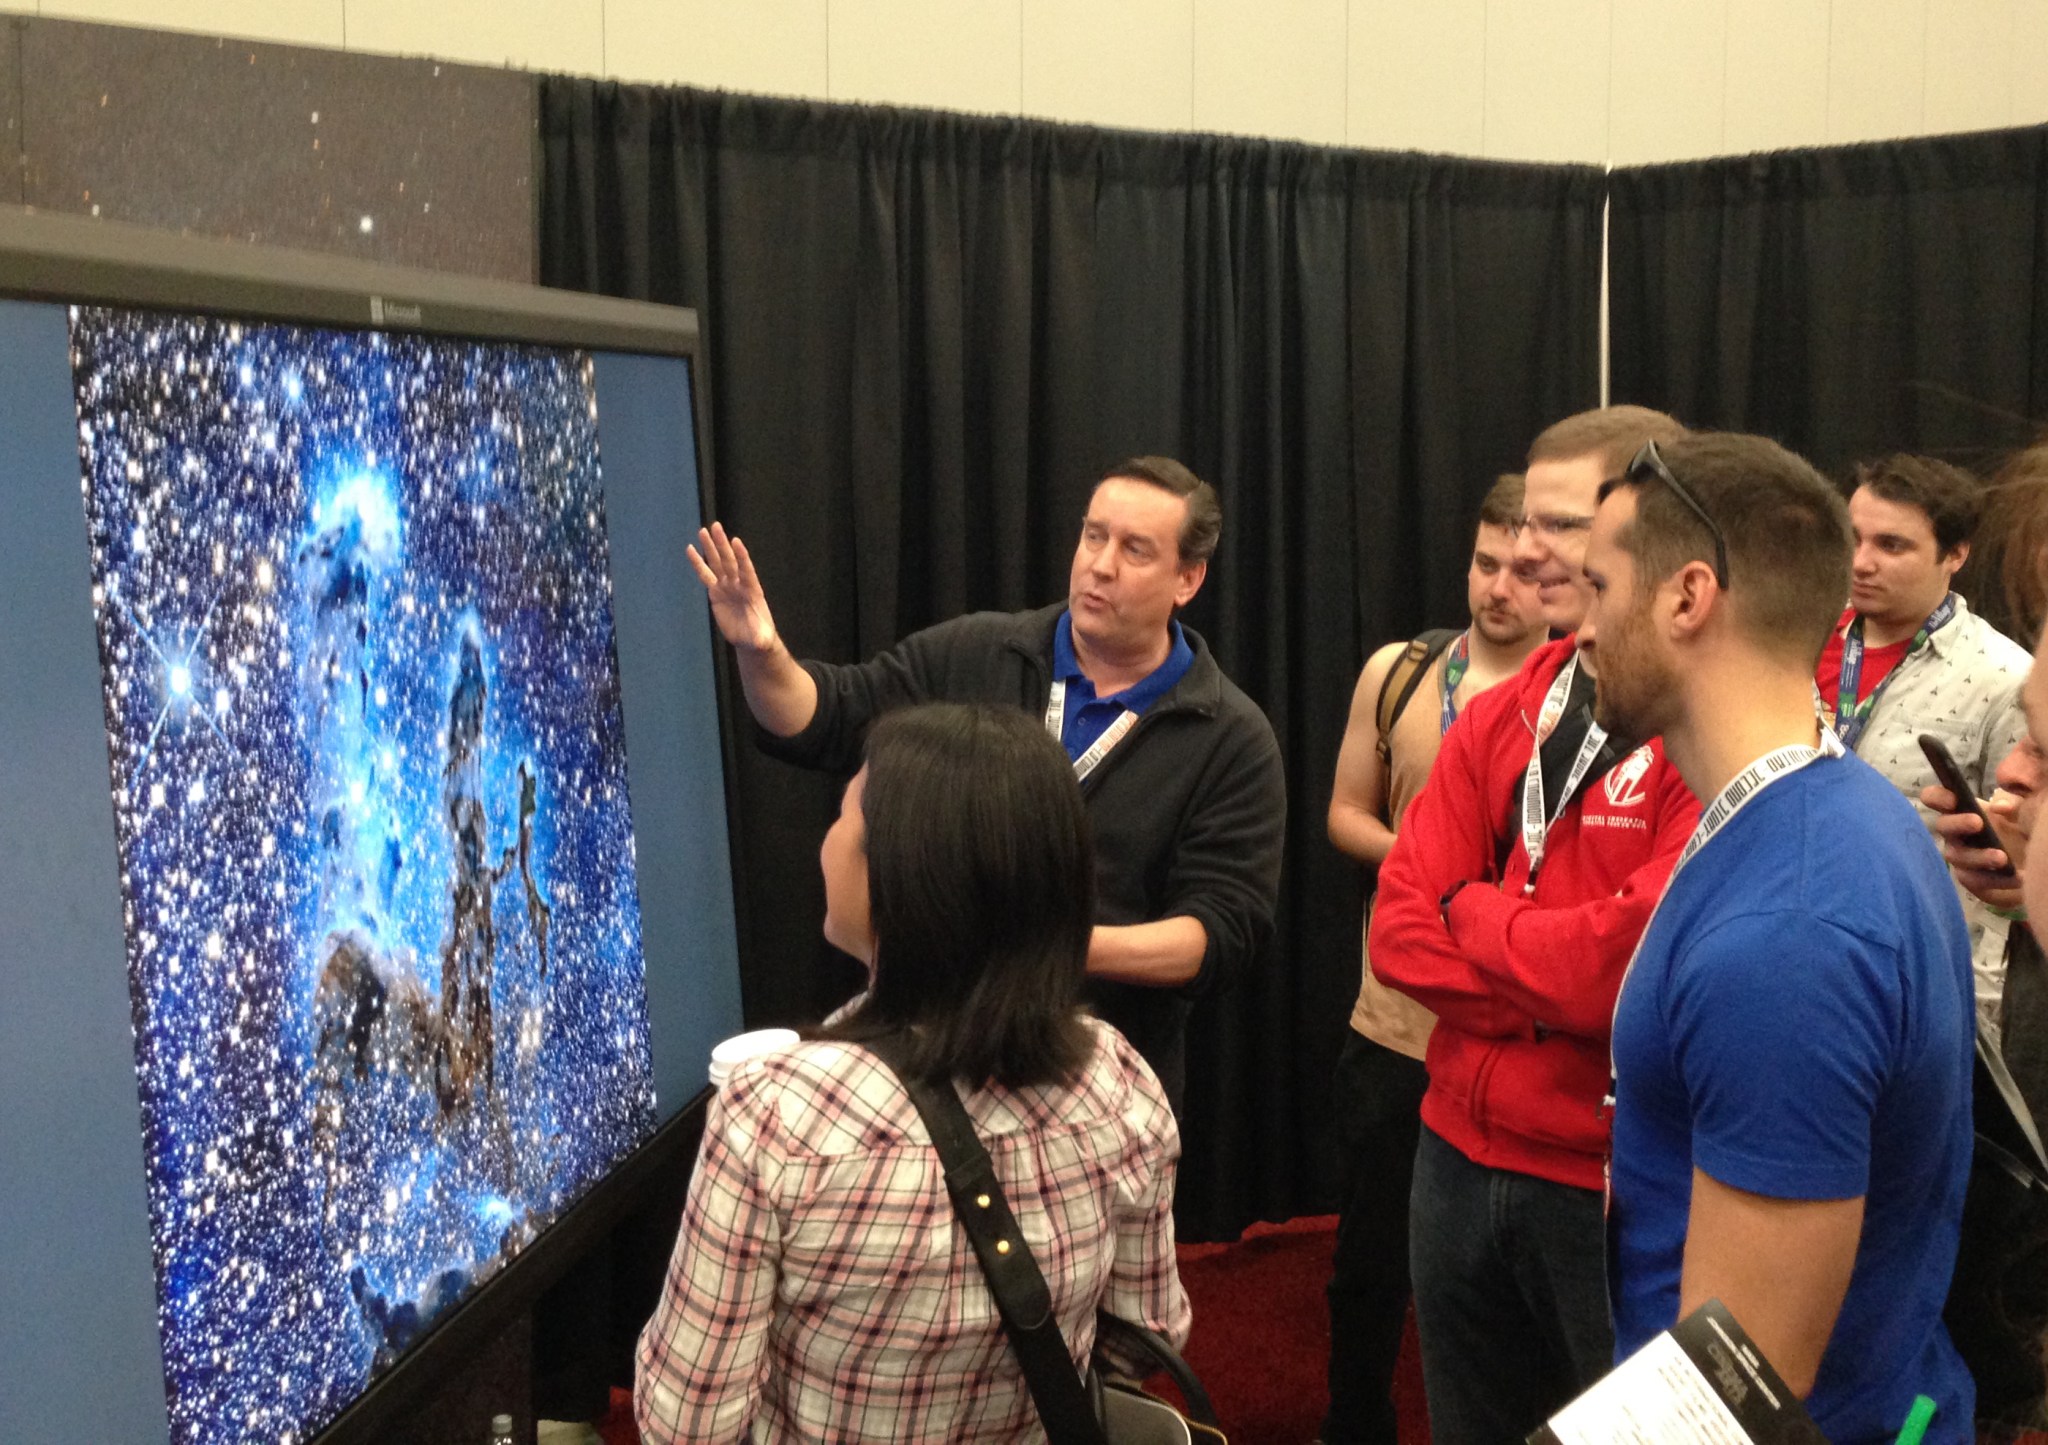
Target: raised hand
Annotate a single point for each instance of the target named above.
(781, 695)
(738, 604)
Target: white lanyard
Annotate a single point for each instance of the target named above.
(1748, 783)
(1056, 724)
(1772, 767)
(1535, 827)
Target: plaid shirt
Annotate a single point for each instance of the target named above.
(822, 1288)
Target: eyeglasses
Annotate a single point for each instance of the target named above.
(1550, 524)
(1649, 463)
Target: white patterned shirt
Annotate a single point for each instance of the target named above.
(822, 1288)
(1964, 688)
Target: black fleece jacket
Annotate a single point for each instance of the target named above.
(1189, 810)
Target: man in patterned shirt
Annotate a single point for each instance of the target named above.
(1909, 657)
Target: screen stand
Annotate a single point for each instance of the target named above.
(496, 1378)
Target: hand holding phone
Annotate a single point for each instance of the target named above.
(1950, 775)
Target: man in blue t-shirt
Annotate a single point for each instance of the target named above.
(1792, 1045)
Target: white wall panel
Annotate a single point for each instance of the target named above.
(1628, 81)
(1877, 70)
(1670, 80)
(1777, 75)
(1271, 69)
(954, 54)
(773, 47)
(1418, 75)
(1127, 63)
(1547, 79)
(2028, 58)
(537, 34)
(1969, 65)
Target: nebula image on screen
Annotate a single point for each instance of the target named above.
(377, 867)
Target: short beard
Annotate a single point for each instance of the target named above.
(1624, 734)
(1511, 629)
(1645, 719)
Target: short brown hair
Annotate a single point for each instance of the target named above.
(1952, 498)
(1613, 433)
(1502, 504)
(1786, 528)
(1205, 514)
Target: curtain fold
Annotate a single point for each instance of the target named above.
(929, 333)
(1849, 302)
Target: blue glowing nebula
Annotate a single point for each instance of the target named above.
(369, 785)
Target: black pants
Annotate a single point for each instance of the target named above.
(1377, 1099)
(1510, 1295)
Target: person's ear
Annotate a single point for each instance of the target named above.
(1693, 597)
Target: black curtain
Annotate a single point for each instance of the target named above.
(929, 333)
(1848, 302)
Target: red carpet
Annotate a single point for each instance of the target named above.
(1262, 1334)
(1260, 1342)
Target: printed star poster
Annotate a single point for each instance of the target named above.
(369, 788)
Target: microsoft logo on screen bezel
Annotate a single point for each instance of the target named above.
(393, 313)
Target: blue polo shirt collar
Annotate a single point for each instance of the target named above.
(1087, 715)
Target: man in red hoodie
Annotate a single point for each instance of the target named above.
(1522, 878)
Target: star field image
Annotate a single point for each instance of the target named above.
(377, 862)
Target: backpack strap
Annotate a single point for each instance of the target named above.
(1403, 678)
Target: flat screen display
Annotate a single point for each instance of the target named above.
(370, 793)
(374, 953)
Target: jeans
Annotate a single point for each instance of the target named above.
(1376, 1097)
(1510, 1295)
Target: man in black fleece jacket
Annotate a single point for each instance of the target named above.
(1179, 768)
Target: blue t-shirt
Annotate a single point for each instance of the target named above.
(1088, 717)
(1798, 1024)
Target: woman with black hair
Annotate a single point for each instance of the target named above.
(822, 1288)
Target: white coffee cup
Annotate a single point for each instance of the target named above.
(736, 1050)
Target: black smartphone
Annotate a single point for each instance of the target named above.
(1950, 776)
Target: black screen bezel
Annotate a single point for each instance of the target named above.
(71, 261)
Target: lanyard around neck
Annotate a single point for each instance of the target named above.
(1455, 664)
(1771, 768)
(1056, 724)
(1535, 826)
(1851, 716)
(1766, 770)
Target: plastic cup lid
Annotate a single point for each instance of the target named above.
(741, 1047)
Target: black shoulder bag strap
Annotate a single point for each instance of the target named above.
(1022, 1298)
(1409, 669)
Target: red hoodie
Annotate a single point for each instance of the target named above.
(1523, 988)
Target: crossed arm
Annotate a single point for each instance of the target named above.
(1500, 965)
